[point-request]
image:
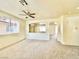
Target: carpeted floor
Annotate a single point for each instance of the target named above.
(28, 49)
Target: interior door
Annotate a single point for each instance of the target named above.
(53, 30)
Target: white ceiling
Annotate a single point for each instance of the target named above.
(42, 8)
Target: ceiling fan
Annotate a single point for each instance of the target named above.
(23, 2)
(26, 13)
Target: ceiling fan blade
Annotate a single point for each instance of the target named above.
(32, 14)
(25, 2)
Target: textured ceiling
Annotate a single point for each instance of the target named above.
(42, 8)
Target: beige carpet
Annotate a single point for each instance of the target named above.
(28, 49)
